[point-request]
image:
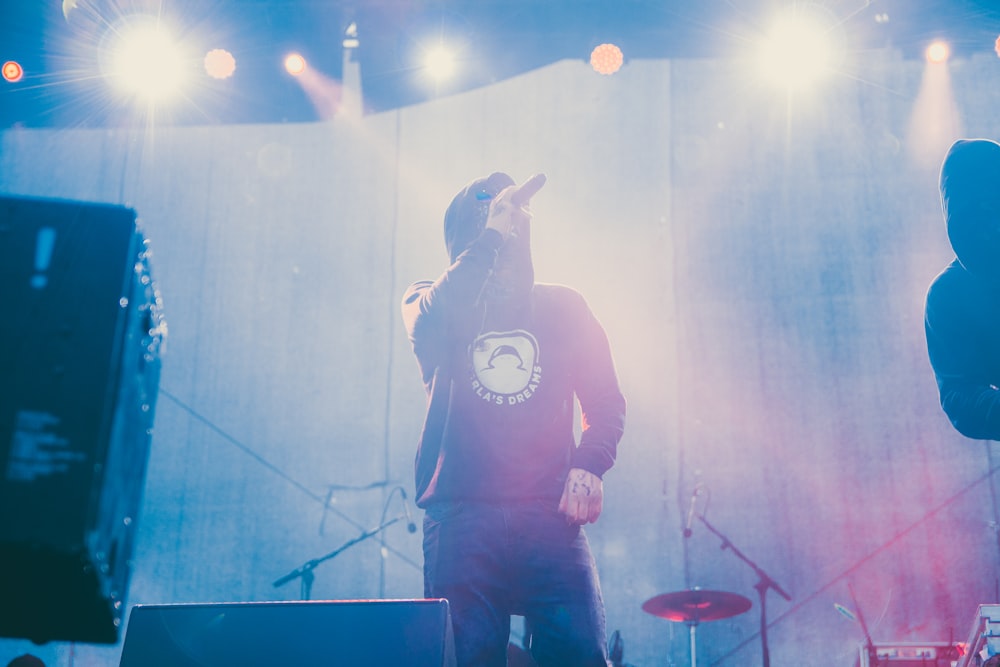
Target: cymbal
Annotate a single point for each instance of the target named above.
(696, 605)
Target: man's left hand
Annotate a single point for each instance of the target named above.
(583, 497)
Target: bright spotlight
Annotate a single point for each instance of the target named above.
(146, 62)
(606, 58)
(439, 63)
(12, 71)
(938, 52)
(797, 51)
(220, 64)
(295, 64)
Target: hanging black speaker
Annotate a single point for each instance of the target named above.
(81, 330)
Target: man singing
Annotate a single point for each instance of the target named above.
(504, 483)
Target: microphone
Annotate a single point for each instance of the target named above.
(690, 514)
(527, 190)
(410, 525)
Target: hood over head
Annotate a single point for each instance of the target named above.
(465, 220)
(466, 216)
(970, 199)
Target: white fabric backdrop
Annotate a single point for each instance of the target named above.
(759, 264)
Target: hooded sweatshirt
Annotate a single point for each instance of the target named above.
(502, 360)
(962, 310)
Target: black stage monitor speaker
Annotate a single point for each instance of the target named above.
(80, 336)
(374, 633)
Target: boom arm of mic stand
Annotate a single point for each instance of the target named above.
(305, 570)
(766, 580)
(763, 584)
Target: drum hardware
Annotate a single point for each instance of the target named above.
(695, 606)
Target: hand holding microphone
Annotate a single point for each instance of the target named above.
(508, 210)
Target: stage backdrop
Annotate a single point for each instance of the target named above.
(759, 261)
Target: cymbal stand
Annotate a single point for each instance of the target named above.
(692, 632)
(305, 571)
(763, 584)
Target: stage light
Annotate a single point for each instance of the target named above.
(12, 71)
(996, 47)
(220, 64)
(797, 50)
(935, 119)
(295, 64)
(351, 36)
(439, 63)
(606, 59)
(145, 61)
(938, 52)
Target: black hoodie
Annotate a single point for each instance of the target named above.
(502, 359)
(962, 312)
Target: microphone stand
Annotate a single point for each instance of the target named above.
(764, 582)
(873, 660)
(305, 571)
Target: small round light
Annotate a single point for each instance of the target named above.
(220, 64)
(295, 64)
(938, 52)
(606, 59)
(12, 71)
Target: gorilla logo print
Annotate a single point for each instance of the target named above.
(505, 367)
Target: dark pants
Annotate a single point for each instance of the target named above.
(491, 561)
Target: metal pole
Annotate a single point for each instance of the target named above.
(694, 645)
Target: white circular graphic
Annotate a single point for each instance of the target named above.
(505, 366)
